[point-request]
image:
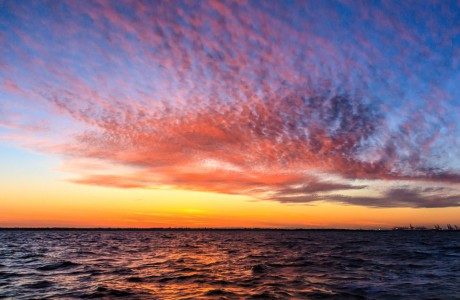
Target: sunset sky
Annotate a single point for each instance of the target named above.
(229, 113)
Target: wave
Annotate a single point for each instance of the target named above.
(42, 284)
(58, 266)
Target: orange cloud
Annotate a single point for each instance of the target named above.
(241, 98)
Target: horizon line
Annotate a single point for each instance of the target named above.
(205, 228)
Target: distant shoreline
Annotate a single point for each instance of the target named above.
(177, 229)
(192, 229)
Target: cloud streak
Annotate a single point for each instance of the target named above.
(292, 103)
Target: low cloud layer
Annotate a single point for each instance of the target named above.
(283, 103)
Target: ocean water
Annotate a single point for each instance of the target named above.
(238, 264)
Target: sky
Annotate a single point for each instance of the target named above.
(291, 114)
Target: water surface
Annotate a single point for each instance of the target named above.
(212, 264)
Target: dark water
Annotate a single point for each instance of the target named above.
(230, 264)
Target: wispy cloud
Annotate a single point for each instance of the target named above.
(296, 103)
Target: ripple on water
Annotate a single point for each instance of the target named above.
(134, 279)
(218, 292)
(42, 284)
(58, 266)
(181, 278)
(106, 293)
(31, 255)
(6, 275)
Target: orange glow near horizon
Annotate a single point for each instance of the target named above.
(40, 201)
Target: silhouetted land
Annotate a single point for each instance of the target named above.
(187, 229)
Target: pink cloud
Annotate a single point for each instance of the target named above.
(238, 98)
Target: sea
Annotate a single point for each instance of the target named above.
(229, 264)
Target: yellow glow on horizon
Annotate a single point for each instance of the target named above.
(45, 199)
(47, 202)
